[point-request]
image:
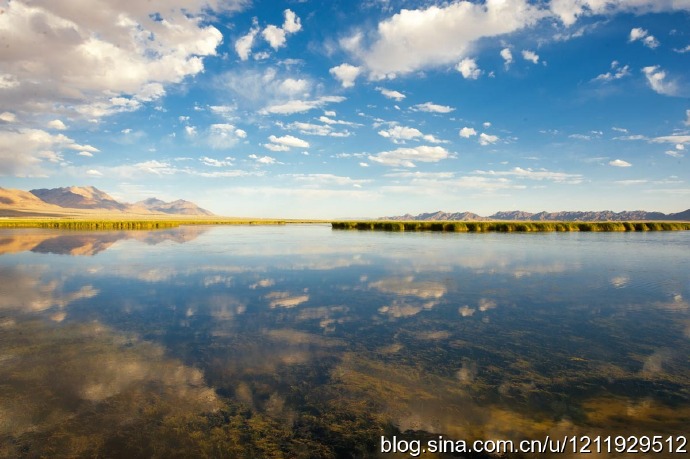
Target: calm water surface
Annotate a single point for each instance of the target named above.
(301, 341)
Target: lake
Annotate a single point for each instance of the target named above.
(303, 341)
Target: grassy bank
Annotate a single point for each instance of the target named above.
(124, 224)
(508, 227)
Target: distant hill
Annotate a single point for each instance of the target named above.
(87, 200)
(17, 200)
(179, 207)
(78, 197)
(518, 215)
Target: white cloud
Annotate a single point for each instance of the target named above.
(243, 46)
(433, 108)
(540, 174)
(638, 33)
(275, 36)
(223, 136)
(276, 148)
(299, 106)
(677, 139)
(57, 124)
(227, 162)
(399, 134)
(406, 157)
(106, 58)
(263, 159)
(674, 153)
(687, 117)
(329, 179)
(392, 94)
(656, 78)
(85, 153)
(289, 141)
(682, 50)
(94, 173)
(530, 56)
(487, 139)
(346, 74)
(467, 132)
(23, 152)
(468, 68)
(616, 73)
(416, 39)
(619, 163)
(292, 23)
(190, 131)
(8, 117)
(291, 86)
(507, 56)
(568, 11)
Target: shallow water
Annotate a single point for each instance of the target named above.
(302, 341)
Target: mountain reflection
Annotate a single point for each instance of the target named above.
(87, 243)
(213, 348)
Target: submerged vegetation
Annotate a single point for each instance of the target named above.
(509, 227)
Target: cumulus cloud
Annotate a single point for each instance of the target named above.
(57, 124)
(243, 46)
(292, 23)
(656, 78)
(616, 73)
(397, 95)
(487, 139)
(346, 74)
(24, 152)
(223, 136)
(263, 159)
(300, 106)
(8, 117)
(276, 36)
(642, 35)
(469, 69)
(415, 39)
(289, 141)
(619, 163)
(100, 57)
(227, 162)
(399, 134)
(568, 11)
(467, 132)
(507, 56)
(432, 108)
(530, 56)
(406, 157)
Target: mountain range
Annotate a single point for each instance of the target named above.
(519, 215)
(86, 200)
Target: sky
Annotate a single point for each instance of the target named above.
(351, 109)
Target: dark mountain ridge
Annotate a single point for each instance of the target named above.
(519, 215)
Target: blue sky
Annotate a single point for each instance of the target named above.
(346, 109)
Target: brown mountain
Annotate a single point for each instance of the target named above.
(440, 215)
(13, 202)
(179, 207)
(86, 200)
(79, 197)
(518, 215)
